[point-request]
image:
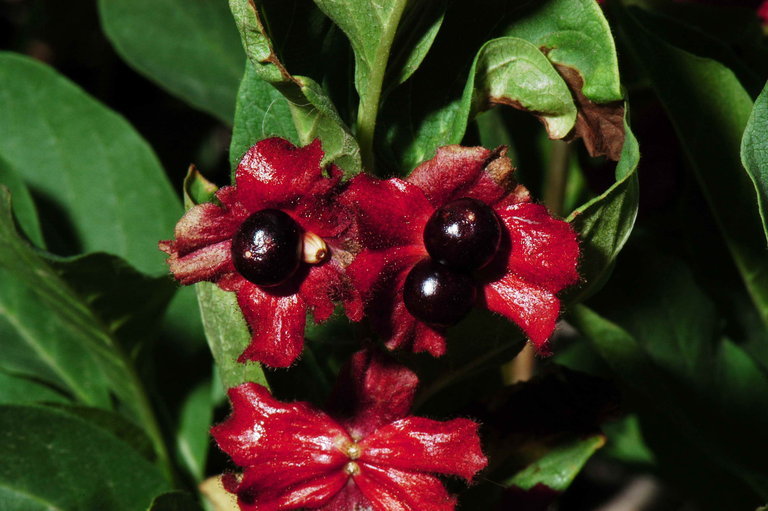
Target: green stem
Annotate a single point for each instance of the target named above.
(368, 109)
(557, 177)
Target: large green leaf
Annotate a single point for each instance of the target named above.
(101, 185)
(225, 327)
(53, 460)
(17, 389)
(574, 33)
(23, 205)
(192, 49)
(418, 29)
(314, 114)
(709, 110)
(104, 307)
(663, 341)
(605, 222)
(754, 153)
(261, 112)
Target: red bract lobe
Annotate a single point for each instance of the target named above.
(366, 453)
(537, 257)
(277, 176)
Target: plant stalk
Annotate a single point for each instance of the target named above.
(368, 108)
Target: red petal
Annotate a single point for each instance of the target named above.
(262, 490)
(373, 391)
(545, 250)
(349, 498)
(208, 263)
(277, 323)
(275, 173)
(457, 172)
(326, 283)
(203, 225)
(534, 309)
(389, 489)
(390, 213)
(299, 442)
(424, 445)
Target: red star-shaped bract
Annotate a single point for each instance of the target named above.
(538, 256)
(273, 174)
(367, 454)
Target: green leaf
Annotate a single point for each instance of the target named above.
(23, 204)
(112, 423)
(22, 390)
(371, 28)
(314, 115)
(192, 437)
(175, 501)
(103, 187)
(225, 327)
(261, 112)
(663, 340)
(512, 71)
(192, 49)
(506, 71)
(557, 468)
(754, 153)
(418, 29)
(90, 325)
(605, 222)
(574, 33)
(709, 110)
(53, 460)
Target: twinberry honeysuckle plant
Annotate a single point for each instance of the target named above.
(412, 268)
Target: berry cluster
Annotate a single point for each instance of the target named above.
(414, 255)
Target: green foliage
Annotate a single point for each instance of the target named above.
(261, 112)
(699, 92)
(192, 49)
(314, 114)
(665, 344)
(605, 222)
(175, 501)
(754, 153)
(89, 168)
(559, 465)
(54, 460)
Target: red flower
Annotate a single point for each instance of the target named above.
(372, 457)
(537, 256)
(279, 183)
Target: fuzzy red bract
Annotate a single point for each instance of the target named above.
(538, 256)
(273, 174)
(367, 453)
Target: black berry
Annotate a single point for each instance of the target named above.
(438, 295)
(464, 234)
(266, 249)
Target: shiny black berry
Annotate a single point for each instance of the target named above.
(438, 295)
(266, 249)
(464, 234)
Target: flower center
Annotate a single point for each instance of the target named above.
(463, 234)
(436, 294)
(352, 468)
(267, 248)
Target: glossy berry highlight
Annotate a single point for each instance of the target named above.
(267, 248)
(464, 234)
(438, 295)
